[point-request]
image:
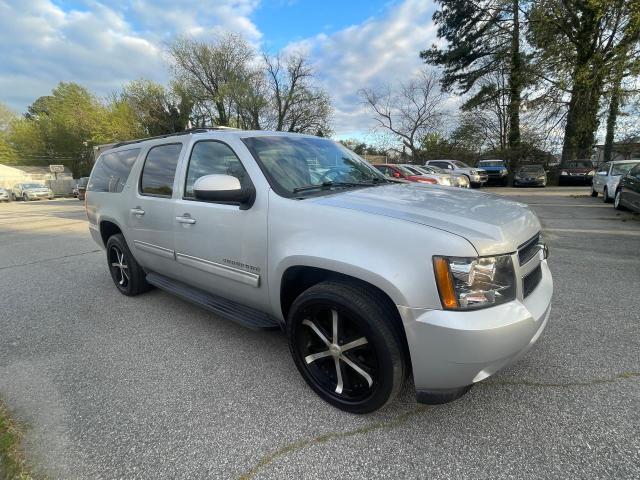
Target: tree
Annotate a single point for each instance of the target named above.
(411, 111)
(581, 40)
(156, 109)
(483, 47)
(214, 72)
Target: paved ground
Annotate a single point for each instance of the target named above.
(152, 387)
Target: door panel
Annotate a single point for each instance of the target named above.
(219, 247)
(151, 213)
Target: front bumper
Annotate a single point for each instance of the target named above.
(478, 178)
(452, 349)
(529, 182)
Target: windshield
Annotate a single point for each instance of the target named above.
(460, 164)
(532, 169)
(622, 168)
(412, 170)
(291, 163)
(579, 164)
(33, 185)
(491, 163)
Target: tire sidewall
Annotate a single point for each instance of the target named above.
(118, 242)
(384, 342)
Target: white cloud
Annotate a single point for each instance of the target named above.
(373, 53)
(103, 45)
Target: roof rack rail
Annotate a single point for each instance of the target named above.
(175, 134)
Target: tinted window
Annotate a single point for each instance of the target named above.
(212, 158)
(160, 169)
(111, 171)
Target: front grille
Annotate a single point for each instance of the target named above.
(531, 281)
(528, 250)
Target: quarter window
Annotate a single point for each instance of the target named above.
(160, 169)
(111, 171)
(212, 158)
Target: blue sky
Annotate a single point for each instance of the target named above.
(352, 44)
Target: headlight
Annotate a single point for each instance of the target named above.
(563, 173)
(472, 283)
(591, 173)
(541, 177)
(503, 172)
(473, 172)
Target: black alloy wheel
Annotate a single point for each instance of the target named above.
(127, 275)
(344, 346)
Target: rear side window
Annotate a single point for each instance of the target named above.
(111, 171)
(159, 170)
(212, 158)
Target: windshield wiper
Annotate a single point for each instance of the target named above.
(328, 185)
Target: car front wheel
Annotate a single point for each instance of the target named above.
(127, 275)
(617, 201)
(593, 191)
(345, 346)
(605, 195)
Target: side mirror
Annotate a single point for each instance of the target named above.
(224, 188)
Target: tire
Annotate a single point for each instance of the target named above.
(359, 315)
(605, 196)
(133, 281)
(505, 182)
(617, 201)
(25, 198)
(594, 194)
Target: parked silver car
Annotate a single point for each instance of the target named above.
(272, 229)
(458, 179)
(476, 176)
(31, 191)
(607, 178)
(4, 195)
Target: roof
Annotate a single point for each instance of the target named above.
(35, 169)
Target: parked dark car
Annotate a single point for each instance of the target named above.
(402, 173)
(530, 176)
(82, 187)
(576, 172)
(496, 171)
(628, 192)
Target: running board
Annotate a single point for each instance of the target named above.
(245, 316)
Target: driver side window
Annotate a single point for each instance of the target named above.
(210, 157)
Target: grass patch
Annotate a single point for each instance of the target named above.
(12, 461)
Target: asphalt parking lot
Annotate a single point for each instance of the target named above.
(153, 387)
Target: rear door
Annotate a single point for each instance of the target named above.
(151, 211)
(600, 178)
(219, 247)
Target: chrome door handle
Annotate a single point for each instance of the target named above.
(137, 211)
(186, 219)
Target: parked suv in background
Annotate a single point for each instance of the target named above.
(476, 176)
(607, 178)
(577, 172)
(273, 229)
(31, 191)
(496, 171)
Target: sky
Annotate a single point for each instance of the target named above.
(352, 44)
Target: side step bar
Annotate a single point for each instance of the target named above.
(245, 316)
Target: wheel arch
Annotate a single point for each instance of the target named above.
(108, 228)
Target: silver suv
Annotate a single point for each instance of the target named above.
(477, 177)
(369, 278)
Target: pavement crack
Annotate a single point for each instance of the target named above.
(326, 437)
(586, 383)
(401, 419)
(48, 259)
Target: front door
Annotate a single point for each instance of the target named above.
(151, 217)
(219, 247)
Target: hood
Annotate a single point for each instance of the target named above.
(576, 169)
(492, 224)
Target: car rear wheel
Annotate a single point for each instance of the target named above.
(128, 277)
(345, 347)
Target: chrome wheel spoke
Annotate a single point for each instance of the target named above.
(317, 331)
(316, 356)
(339, 385)
(353, 365)
(356, 343)
(334, 323)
